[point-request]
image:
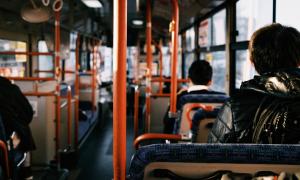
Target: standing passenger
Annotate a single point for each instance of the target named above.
(275, 54)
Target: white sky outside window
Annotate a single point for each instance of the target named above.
(219, 28)
(288, 13)
(252, 15)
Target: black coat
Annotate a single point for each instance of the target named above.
(16, 113)
(234, 123)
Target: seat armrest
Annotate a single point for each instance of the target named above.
(151, 136)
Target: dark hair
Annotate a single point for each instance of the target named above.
(200, 72)
(275, 47)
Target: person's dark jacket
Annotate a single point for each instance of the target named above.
(234, 123)
(16, 113)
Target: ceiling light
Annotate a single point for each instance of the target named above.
(137, 22)
(92, 3)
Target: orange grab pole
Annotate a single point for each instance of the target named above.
(174, 30)
(149, 65)
(192, 106)
(57, 77)
(160, 68)
(136, 111)
(119, 89)
(69, 105)
(5, 161)
(26, 53)
(77, 91)
(150, 136)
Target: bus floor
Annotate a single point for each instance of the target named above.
(96, 160)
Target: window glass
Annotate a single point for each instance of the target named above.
(179, 55)
(13, 65)
(244, 68)
(218, 63)
(252, 15)
(166, 61)
(219, 28)
(205, 33)
(188, 60)
(287, 12)
(45, 62)
(190, 39)
(106, 67)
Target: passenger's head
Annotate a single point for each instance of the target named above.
(275, 47)
(200, 72)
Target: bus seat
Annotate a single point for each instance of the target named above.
(182, 125)
(202, 159)
(202, 123)
(159, 106)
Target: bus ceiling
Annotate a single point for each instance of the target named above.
(98, 22)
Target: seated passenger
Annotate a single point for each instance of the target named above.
(200, 76)
(16, 114)
(260, 111)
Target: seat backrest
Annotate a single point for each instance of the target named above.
(182, 125)
(195, 156)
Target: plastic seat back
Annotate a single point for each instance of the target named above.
(186, 102)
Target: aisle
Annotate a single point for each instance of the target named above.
(96, 154)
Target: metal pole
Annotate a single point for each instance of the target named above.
(174, 30)
(77, 91)
(119, 89)
(149, 65)
(57, 77)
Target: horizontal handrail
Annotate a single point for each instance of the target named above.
(151, 136)
(196, 105)
(30, 79)
(168, 80)
(39, 93)
(160, 95)
(26, 53)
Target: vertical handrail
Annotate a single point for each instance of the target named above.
(159, 47)
(94, 75)
(136, 110)
(174, 31)
(5, 155)
(57, 77)
(69, 112)
(119, 89)
(77, 91)
(149, 65)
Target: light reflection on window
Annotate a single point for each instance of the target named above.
(244, 68)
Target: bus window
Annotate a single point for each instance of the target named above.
(251, 15)
(13, 65)
(205, 33)
(287, 13)
(219, 28)
(218, 63)
(244, 68)
(106, 64)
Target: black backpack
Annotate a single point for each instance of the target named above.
(277, 121)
